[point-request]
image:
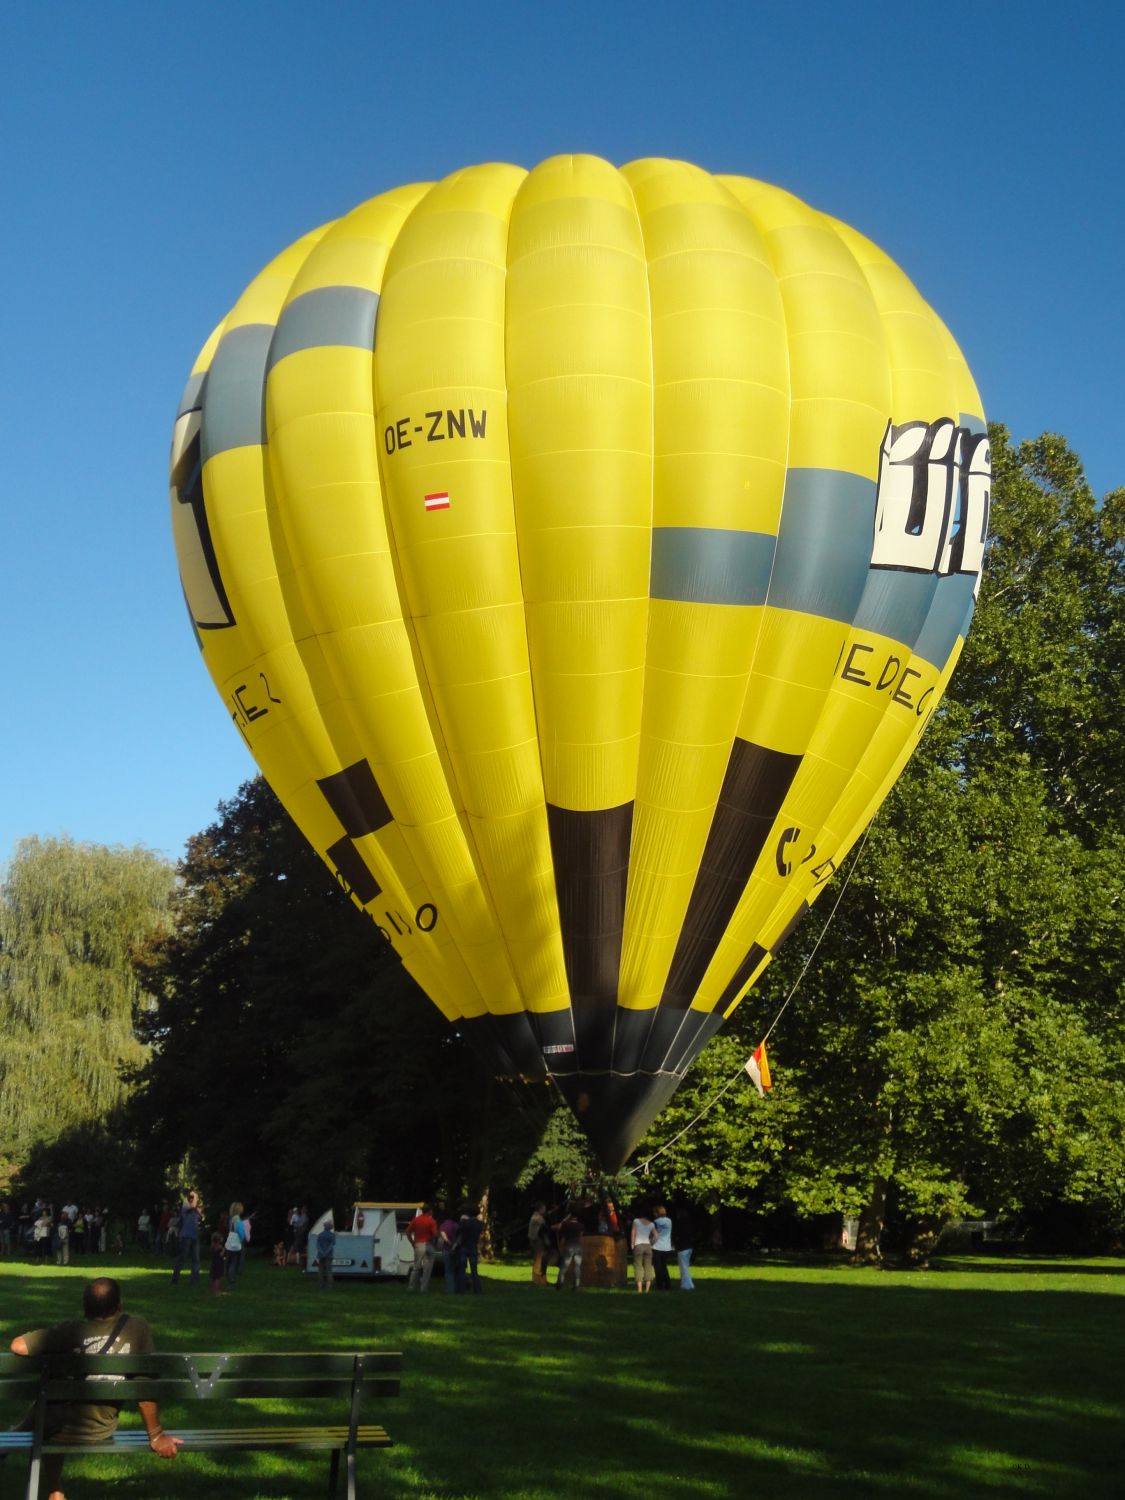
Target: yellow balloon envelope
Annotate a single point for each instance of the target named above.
(581, 553)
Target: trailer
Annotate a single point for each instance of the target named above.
(374, 1245)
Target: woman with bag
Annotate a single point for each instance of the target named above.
(235, 1243)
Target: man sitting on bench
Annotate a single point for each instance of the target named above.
(105, 1329)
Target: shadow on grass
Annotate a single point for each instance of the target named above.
(793, 1385)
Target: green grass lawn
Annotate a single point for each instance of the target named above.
(981, 1378)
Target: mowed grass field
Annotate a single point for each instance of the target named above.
(785, 1380)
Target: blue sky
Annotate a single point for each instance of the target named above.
(154, 157)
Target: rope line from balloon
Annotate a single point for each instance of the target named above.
(643, 1166)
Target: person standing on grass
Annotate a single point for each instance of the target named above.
(302, 1228)
(422, 1232)
(325, 1250)
(42, 1234)
(642, 1237)
(662, 1249)
(104, 1329)
(191, 1222)
(470, 1231)
(570, 1248)
(537, 1243)
(235, 1243)
(449, 1243)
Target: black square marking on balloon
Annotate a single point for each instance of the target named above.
(353, 795)
(351, 865)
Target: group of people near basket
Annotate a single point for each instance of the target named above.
(555, 1236)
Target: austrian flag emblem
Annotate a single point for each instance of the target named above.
(440, 501)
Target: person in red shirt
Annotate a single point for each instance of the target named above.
(422, 1232)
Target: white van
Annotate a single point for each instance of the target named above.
(374, 1245)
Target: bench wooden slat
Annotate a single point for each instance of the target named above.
(107, 1389)
(21, 1390)
(205, 1440)
(243, 1390)
(132, 1436)
(171, 1366)
(375, 1361)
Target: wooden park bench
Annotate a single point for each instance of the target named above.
(173, 1380)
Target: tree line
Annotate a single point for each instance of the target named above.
(956, 1045)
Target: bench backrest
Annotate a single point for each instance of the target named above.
(198, 1377)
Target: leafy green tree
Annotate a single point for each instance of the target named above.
(1042, 670)
(292, 1055)
(562, 1156)
(71, 916)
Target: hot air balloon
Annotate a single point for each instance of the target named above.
(581, 552)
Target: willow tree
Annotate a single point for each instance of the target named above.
(70, 917)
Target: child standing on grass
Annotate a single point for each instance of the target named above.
(217, 1255)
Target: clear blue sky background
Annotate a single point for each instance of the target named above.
(153, 157)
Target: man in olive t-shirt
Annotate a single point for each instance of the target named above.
(89, 1421)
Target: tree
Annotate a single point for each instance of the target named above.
(70, 917)
(292, 1055)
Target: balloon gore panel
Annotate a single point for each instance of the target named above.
(581, 553)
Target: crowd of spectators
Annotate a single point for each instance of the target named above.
(42, 1231)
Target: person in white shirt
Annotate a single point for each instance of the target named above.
(641, 1239)
(662, 1251)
